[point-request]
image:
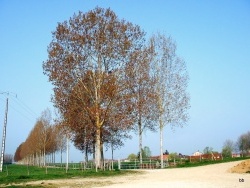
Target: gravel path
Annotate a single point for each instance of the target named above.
(211, 176)
(217, 175)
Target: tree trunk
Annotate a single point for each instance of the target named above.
(161, 141)
(102, 156)
(98, 148)
(93, 150)
(86, 147)
(140, 139)
(86, 155)
(33, 159)
(61, 156)
(112, 151)
(67, 159)
(54, 161)
(44, 156)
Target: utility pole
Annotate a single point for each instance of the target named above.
(4, 135)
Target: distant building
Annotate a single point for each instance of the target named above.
(235, 155)
(197, 153)
(165, 157)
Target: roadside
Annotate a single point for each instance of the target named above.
(216, 175)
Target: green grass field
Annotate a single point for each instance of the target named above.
(13, 174)
(179, 163)
(208, 162)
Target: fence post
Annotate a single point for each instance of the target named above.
(119, 164)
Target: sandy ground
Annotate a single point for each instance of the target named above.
(217, 175)
(242, 167)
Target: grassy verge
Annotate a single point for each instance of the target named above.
(208, 162)
(14, 174)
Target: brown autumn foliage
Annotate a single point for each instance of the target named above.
(42, 140)
(86, 60)
(107, 82)
(81, 115)
(17, 156)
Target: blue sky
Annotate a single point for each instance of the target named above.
(213, 37)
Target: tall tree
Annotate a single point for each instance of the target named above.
(243, 143)
(114, 137)
(86, 54)
(44, 132)
(171, 85)
(140, 82)
(84, 139)
(17, 156)
(147, 151)
(228, 148)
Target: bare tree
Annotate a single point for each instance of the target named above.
(228, 148)
(243, 143)
(140, 82)
(171, 85)
(45, 132)
(87, 54)
(114, 137)
(60, 139)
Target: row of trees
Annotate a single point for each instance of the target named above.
(45, 139)
(108, 80)
(242, 145)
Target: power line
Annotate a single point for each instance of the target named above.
(25, 107)
(20, 107)
(23, 115)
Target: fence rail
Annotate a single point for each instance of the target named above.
(147, 163)
(156, 163)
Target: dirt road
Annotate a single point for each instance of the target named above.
(211, 176)
(217, 175)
